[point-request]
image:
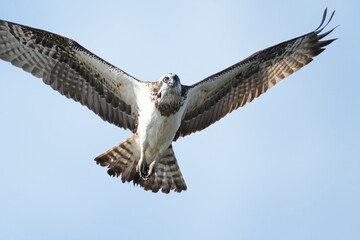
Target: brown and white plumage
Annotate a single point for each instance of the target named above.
(73, 71)
(156, 112)
(123, 159)
(215, 96)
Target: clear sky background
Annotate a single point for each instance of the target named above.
(285, 166)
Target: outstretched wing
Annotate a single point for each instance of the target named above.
(212, 98)
(73, 71)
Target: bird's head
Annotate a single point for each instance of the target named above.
(168, 94)
(170, 80)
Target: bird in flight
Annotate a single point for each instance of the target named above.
(157, 113)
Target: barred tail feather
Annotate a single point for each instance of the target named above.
(166, 176)
(124, 157)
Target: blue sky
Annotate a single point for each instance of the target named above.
(285, 166)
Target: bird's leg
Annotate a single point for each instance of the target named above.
(145, 170)
(142, 168)
(151, 168)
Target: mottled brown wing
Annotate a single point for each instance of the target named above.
(73, 71)
(214, 97)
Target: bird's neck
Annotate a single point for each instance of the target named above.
(168, 102)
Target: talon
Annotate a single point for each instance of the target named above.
(143, 170)
(144, 173)
(144, 177)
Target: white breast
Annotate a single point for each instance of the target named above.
(156, 132)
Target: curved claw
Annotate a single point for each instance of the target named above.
(144, 170)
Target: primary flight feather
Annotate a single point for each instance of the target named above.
(157, 113)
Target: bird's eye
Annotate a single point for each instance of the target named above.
(165, 79)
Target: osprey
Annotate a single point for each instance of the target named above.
(157, 113)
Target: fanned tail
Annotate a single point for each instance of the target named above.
(166, 176)
(124, 157)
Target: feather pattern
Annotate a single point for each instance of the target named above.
(157, 113)
(123, 158)
(73, 71)
(212, 98)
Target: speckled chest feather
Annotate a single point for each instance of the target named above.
(168, 102)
